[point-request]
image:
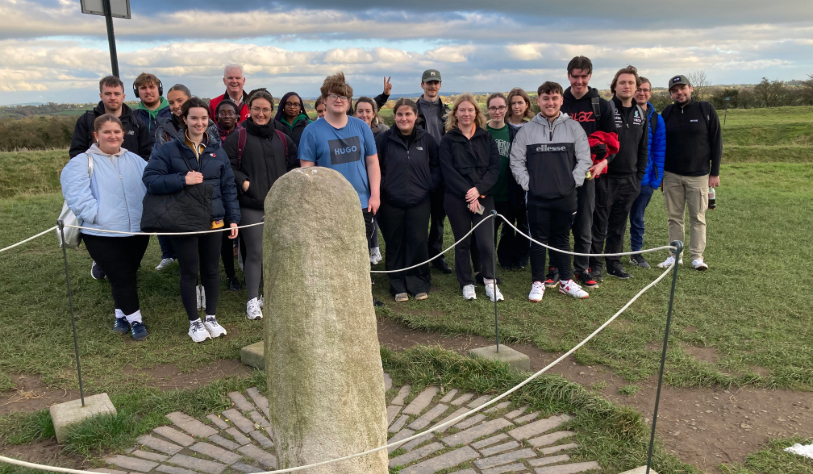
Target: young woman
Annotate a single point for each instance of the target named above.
(291, 113)
(519, 107)
(470, 162)
(168, 172)
(410, 170)
(320, 107)
(227, 114)
(367, 110)
(264, 160)
(109, 196)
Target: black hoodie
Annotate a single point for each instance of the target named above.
(467, 163)
(410, 168)
(633, 139)
(581, 110)
(137, 138)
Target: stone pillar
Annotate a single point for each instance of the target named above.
(325, 380)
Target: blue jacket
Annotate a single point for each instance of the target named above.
(152, 125)
(166, 173)
(112, 198)
(657, 151)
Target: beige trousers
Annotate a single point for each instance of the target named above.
(678, 191)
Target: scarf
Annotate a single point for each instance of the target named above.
(264, 131)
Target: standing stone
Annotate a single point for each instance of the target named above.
(326, 383)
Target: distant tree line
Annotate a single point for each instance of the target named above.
(767, 93)
(51, 108)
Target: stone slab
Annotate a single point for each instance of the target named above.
(197, 464)
(239, 420)
(411, 456)
(537, 427)
(465, 471)
(498, 407)
(159, 444)
(224, 442)
(217, 421)
(262, 439)
(258, 419)
(449, 396)
(556, 449)
(173, 470)
(402, 394)
(480, 401)
(419, 403)
(387, 382)
(107, 471)
(469, 435)
(259, 398)
(175, 436)
(463, 399)
(504, 469)
(428, 417)
(149, 456)
(489, 441)
(191, 425)
(240, 401)
(403, 434)
(65, 415)
(526, 418)
(399, 423)
(499, 448)
(548, 460)
(254, 355)
(246, 468)
(392, 412)
(215, 452)
(549, 438)
(640, 470)
(568, 468)
(516, 413)
(444, 461)
(517, 360)
(505, 458)
(417, 442)
(266, 459)
(471, 421)
(238, 436)
(454, 415)
(135, 464)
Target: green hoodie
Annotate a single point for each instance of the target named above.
(153, 113)
(296, 120)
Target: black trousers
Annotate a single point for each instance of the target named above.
(370, 228)
(550, 223)
(462, 220)
(227, 254)
(119, 258)
(438, 216)
(583, 223)
(513, 249)
(199, 253)
(405, 233)
(614, 198)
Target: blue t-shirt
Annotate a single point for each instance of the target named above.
(343, 149)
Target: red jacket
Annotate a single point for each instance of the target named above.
(244, 114)
(610, 140)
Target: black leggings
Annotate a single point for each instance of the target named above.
(119, 258)
(195, 253)
(227, 254)
(405, 231)
(462, 220)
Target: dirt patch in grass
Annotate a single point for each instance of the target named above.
(44, 452)
(703, 354)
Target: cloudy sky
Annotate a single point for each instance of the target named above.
(49, 51)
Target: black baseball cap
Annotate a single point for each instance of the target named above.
(431, 75)
(678, 80)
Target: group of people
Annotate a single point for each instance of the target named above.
(583, 164)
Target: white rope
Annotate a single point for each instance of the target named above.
(401, 442)
(222, 229)
(28, 239)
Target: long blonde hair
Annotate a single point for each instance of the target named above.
(451, 118)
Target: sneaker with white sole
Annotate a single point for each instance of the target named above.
(570, 288)
(375, 255)
(214, 328)
(262, 301)
(201, 295)
(197, 331)
(669, 262)
(468, 293)
(699, 265)
(537, 292)
(253, 311)
(165, 262)
(491, 289)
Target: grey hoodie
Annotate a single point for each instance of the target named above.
(550, 160)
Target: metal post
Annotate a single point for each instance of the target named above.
(494, 282)
(70, 305)
(679, 248)
(726, 109)
(111, 37)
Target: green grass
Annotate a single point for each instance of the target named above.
(774, 460)
(27, 172)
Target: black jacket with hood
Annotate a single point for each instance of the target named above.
(581, 110)
(633, 139)
(263, 161)
(467, 163)
(410, 166)
(137, 137)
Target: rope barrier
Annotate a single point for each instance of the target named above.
(433, 429)
(210, 231)
(28, 239)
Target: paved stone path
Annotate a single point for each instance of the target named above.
(502, 439)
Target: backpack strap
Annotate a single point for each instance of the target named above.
(283, 137)
(653, 122)
(705, 110)
(596, 103)
(242, 135)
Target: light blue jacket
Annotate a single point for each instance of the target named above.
(112, 198)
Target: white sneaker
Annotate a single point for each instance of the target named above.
(262, 301)
(537, 292)
(201, 295)
(375, 255)
(571, 288)
(490, 287)
(699, 265)
(198, 332)
(468, 293)
(165, 262)
(215, 329)
(669, 262)
(253, 311)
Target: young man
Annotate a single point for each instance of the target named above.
(616, 191)
(431, 117)
(234, 81)
(653, 173)
(554, 150)
(338, 131)
(583, 104)
(150, 91)
(694, 148)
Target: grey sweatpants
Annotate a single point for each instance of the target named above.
(253, 237)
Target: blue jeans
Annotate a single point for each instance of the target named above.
(167, 250)
(637, 217)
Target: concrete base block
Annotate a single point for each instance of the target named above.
(639, 470)
(253, 355)
(65, 415)
(515, 359)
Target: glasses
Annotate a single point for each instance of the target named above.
(227, 115)
(335, 97)
(497, 109)
(292, 104)
(645, 90)
(264, 111)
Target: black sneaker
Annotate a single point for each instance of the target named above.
(586, 280)
(121, 326)
(139, 331)
(376, 303)
(440, 264)
(618, 272)
(96, 272)
(234, 284)
(552, 278)
(639, 260)
(596, 273)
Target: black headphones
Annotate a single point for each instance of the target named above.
(160, 89)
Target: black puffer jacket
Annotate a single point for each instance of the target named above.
(466, 163)
(263, 162)
(410, 166)
(137, 137)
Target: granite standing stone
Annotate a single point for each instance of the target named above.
(321, 346)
